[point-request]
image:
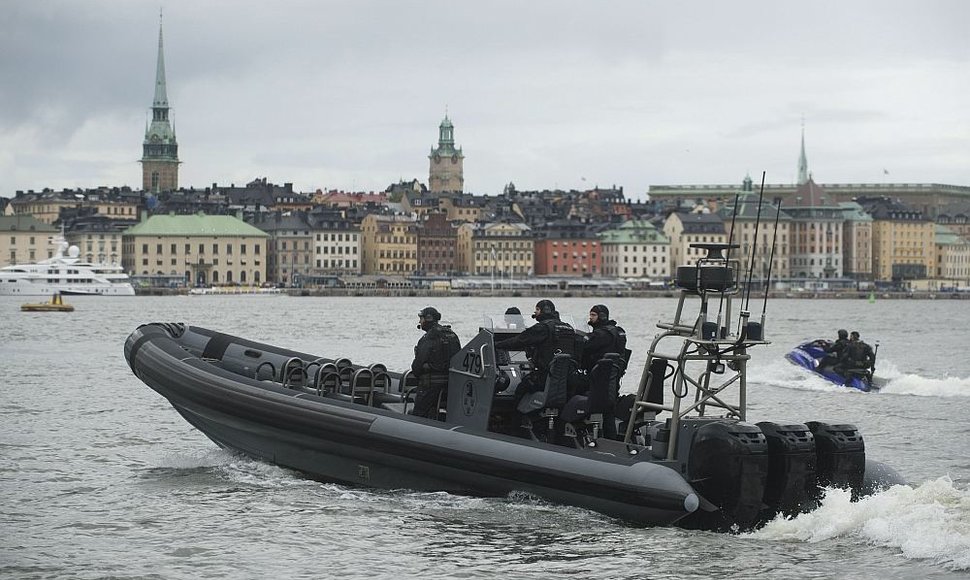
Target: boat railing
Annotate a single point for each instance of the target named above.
(711, 361)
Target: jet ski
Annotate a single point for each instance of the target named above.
(810, 356)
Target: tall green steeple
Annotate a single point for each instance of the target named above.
(446, 173)
(159, 160)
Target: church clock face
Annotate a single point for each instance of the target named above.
(155, 138)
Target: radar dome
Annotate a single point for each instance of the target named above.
(74, 251)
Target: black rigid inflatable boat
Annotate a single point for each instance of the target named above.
(337, 421)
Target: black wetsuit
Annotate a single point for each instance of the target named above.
(432, 357)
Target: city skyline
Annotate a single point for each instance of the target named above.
(547, 95)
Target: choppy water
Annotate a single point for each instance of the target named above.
(99, 477)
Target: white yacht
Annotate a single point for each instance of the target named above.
(64, 274)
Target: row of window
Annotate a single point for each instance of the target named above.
(173, 249)
(337, 264)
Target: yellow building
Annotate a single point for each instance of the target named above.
(389, 244)
(24, 239)
(902, 241)
(684, 229)
(506, 249)
(204, 250)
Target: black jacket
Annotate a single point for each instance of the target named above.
(859, 355)
(541, 341)
(434, 350)
(604, 338)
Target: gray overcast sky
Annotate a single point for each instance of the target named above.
(569, 94)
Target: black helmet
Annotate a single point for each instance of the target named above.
(511, 310)
(429, 313)
(843, 333)
(602, 312)
(545, 307)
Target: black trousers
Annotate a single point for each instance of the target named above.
(430, 387)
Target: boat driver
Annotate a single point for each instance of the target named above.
(432, 358)
(541, 342)
(835, 351)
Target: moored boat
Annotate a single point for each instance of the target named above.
(65, 273)
(702, 465)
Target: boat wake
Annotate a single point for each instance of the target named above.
(892, 381)
(927, 522)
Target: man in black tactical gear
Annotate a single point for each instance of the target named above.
(859, 356)
(432, 357)
(605, 337)
(835, 351)
(541, 342)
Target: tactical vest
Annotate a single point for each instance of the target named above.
(562, 339)
(444, 345)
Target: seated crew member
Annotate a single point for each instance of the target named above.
(835, 351)
(859, 356)
(605, 337)
(541, 342)
(432, 357)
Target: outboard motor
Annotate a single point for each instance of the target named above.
(841, 456)
(728, 466)
(790, 488)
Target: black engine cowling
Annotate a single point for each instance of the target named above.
(728, 466)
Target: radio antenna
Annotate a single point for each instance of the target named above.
(727, 260)
(771, 262)
(754, 250)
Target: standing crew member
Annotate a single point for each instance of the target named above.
(859, 356)
(432, 357)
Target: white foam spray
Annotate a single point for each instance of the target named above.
(931, 522)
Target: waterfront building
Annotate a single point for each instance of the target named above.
(337, 244)
(25, 239)
(746, 223)
(437, 245)
(389, 244)
(97, 236)
(160, 160)
(952, 259)
(567, 248)
(636, 249)
(290, 257)
(816, 233)
(504, 249)
(446, 162)
(902, 240)
(683, 229)
(856, 242)
(201, 249)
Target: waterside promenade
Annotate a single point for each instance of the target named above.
(592, 293)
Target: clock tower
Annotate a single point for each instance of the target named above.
(446, 173)
(160, 160)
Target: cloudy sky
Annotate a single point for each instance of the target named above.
(569, 94)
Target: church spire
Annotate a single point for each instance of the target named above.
(160, 159)
(161, 95)
(803, 161)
